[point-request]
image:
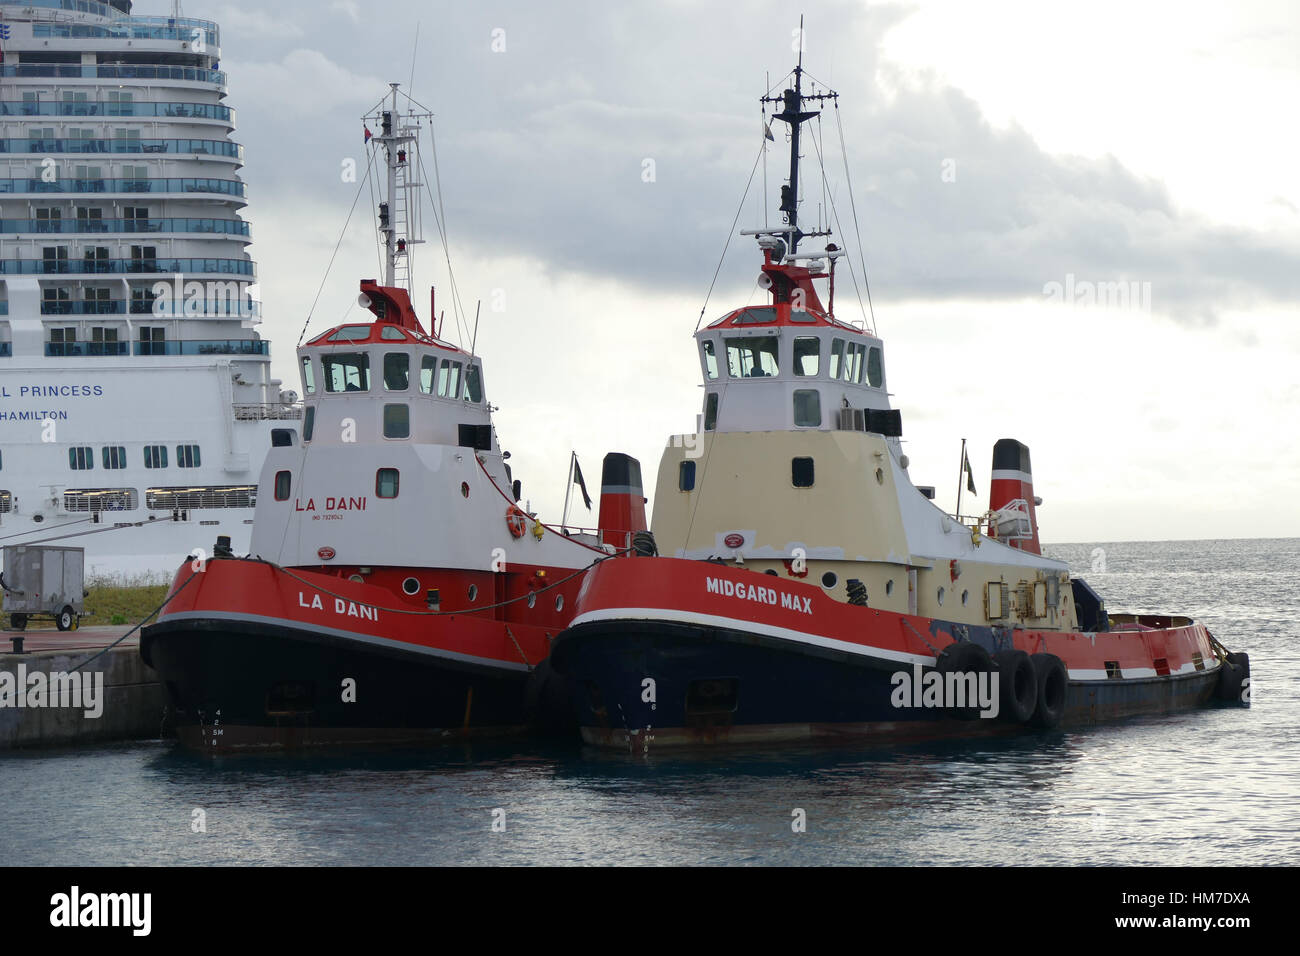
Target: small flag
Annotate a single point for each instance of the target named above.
(577, 477)
(767, 131)
(368, 133)
(970, 478)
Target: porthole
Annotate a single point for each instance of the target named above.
(940, 597)
(464, 489)
(829, 580)
(559, 602)
(532, 598)
(473, 593)
(771, 572)
(411, 586)
(965, 597)
(356, 579)
(889, 587)
(880, 476)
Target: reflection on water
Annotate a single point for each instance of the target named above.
(1209, 787)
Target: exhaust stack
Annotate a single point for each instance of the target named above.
(622, 502)
(1011, 497)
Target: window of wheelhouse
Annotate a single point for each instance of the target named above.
(752, 357)
(397, 371)
(807, 355)
(837, 358)
(473, 384)
(428, 366)
(386, 483)
(710, 411)
(449, 379)
(308, 422)
(709, 351)
(346, 372)
(283, 482)
(875, 367)
(308, 376)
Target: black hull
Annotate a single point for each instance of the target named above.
(718, 686)
(237, 686)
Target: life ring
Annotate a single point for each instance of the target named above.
(515, 521)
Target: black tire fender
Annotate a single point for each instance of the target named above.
(1053, 684)
(1017, 686)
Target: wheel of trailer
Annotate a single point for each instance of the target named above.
(1053, 681)
(963, 657)
(18, 622)
(1017, 686)
(65, 619)
(1234, 679)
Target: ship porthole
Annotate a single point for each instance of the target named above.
(880, 476)
(965, 597)
(464, 489)
(356, 579)
(473, 593)
(889, 587)
(829, 580)
(411, 586)
(532, 599)
(559, 602)
(940, 597)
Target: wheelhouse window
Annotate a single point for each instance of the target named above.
(837, 358)
(449, 379)
(473, 384)
(187, 456)
(853, 355)
(428, 365)
(710, 359)
(801, 472)
(686, 476)
(875, 367)
(386, 483)
(807, 407)
(155, 456)
(397, 421)
(346, 372)
(710, 411)
(807, 355)
(283, 483)
(308, 376)
(397, 367)
(308, 422)
(752, 357)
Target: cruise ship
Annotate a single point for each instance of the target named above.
(136, 397)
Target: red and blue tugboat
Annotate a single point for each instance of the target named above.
(397, 592)
(809, 590)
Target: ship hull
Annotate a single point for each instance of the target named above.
(701, 669)
(259, 658)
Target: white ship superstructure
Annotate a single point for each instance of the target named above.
(136, 403)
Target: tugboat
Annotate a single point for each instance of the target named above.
(396, 591)
(809, 590)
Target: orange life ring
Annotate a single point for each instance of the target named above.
(515, 521)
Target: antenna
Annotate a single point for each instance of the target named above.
(399, 212)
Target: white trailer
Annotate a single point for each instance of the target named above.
(43, 580)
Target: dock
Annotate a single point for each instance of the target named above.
(48, 700)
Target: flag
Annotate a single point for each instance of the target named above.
(970, 478)
(577, 477)
(368, 133)
(767, 132)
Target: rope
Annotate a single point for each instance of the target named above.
(518, 648)
(548, 527)
(908, 624)
(762, 150)
(853, 203)
(193, 575)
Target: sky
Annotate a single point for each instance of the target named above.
(1006, 160)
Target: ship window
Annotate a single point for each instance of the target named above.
(807, 355)
(308, 376)
(386, 482)
(473, 384)
(392, 334)
(81, 458)
(752, 357)
(187, 456)
(837, 357)
(853, 362)
(801, 472)
(710, 411)
(346, 372)
(710, 360)
(308, 422)
(875, 371)
(350, 333)
(428, 365)
(686, 475)
(397, 368)
(397, 421)
(807, 407)
(449, 379)
(114, 456)
(283, 482)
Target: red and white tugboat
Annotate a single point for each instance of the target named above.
(809, 590)
(396, 591)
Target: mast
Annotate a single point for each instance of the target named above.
(399, 210)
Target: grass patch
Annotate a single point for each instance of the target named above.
(114, 603)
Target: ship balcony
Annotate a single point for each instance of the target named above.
(207, 227)
(189, 309)
(185, 74)
(209, 148)
(258, 347)
(169, 110)
(181, 29)
(189, 187)
(238, 267)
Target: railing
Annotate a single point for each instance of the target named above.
(257, 413)
(136, 28)
(75, 349)
(210, 147)
(219, 227)
(75, 71)
(205, 347)
(124, 266)
(228, 187)
(212, 111)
